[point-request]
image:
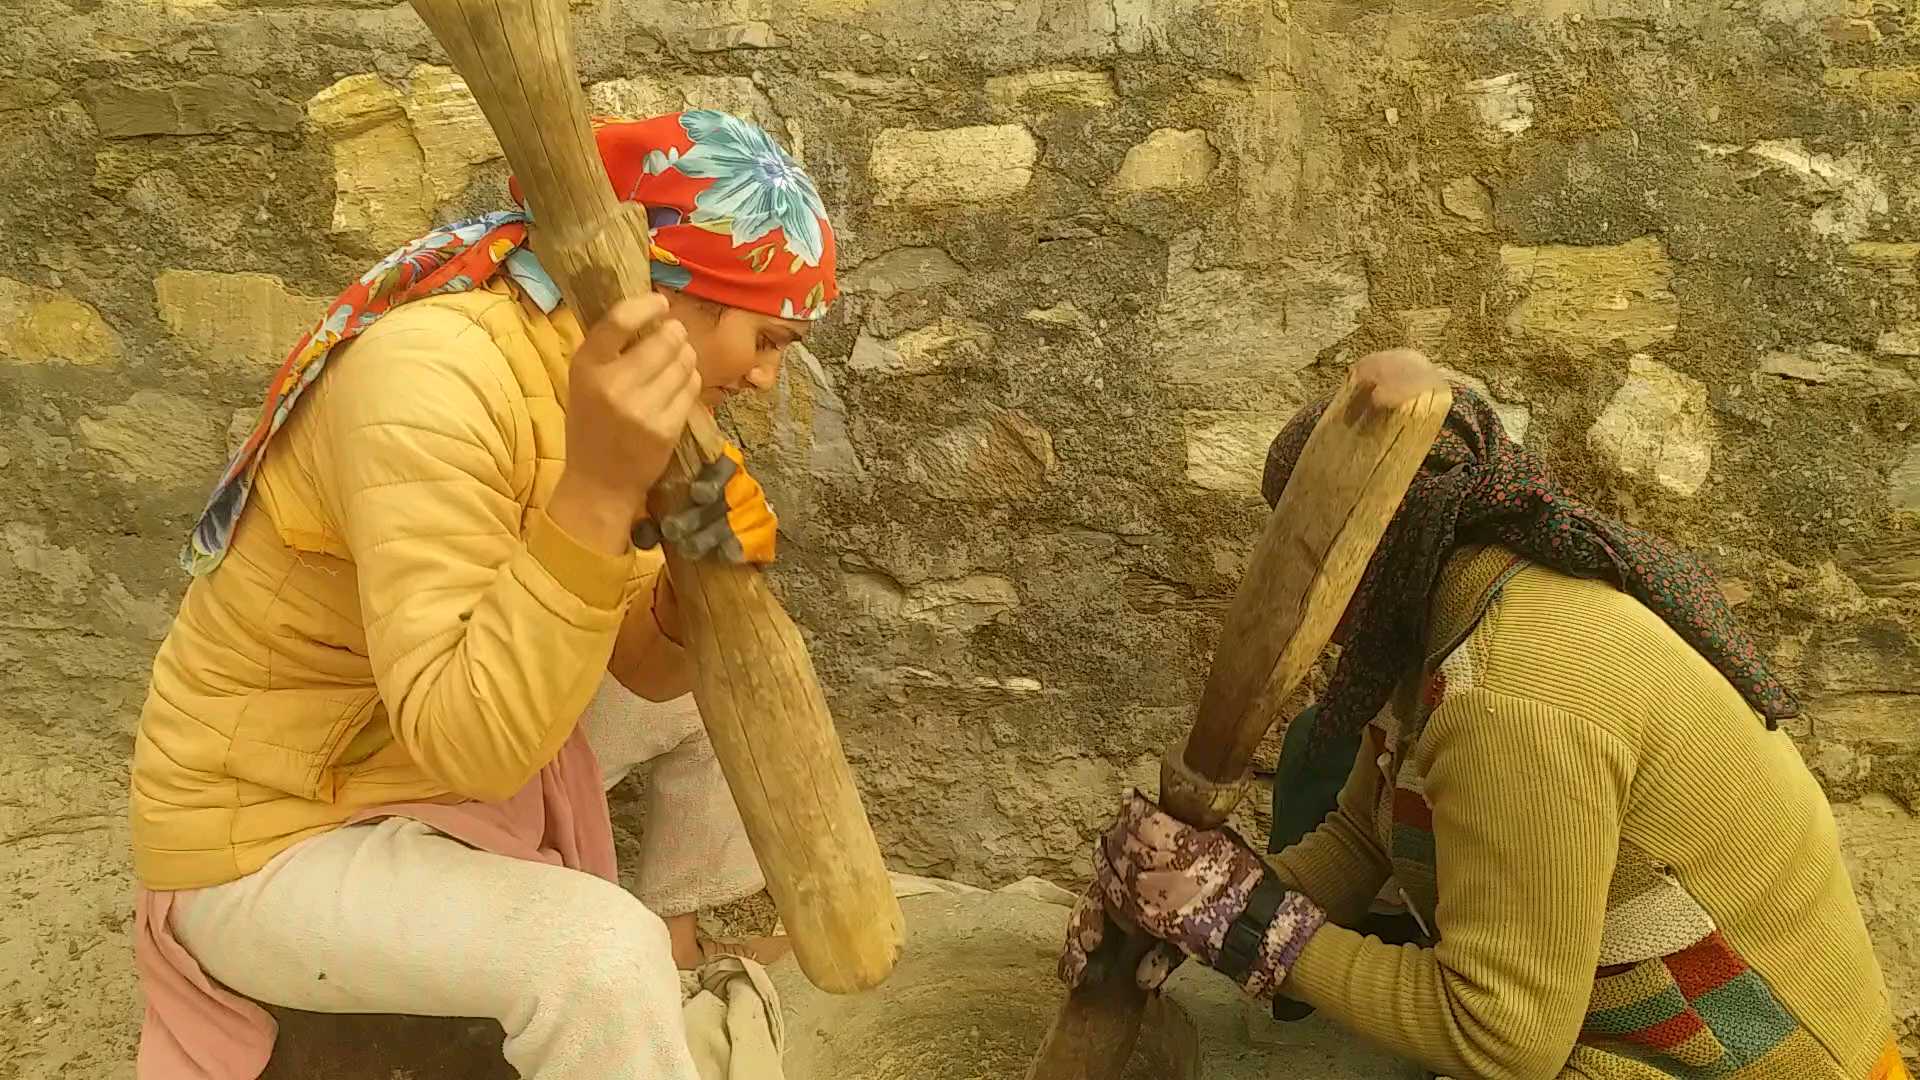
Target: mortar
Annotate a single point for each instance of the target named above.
(969, 1000)
(975, 991)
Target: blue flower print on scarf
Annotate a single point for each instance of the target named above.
(757, 187)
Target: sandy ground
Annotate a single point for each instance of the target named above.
(67, 1006)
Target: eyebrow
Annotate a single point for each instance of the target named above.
(785, 335)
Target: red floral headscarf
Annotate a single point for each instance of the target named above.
(735, 219)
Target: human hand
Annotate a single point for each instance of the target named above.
(739, 528)
(632, 384)
(1201, 892)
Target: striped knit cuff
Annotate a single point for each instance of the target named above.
(1294, 923)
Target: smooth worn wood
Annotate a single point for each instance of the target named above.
(1350, 478)
(1344, 491)
(755, 682)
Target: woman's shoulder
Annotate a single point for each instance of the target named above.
(435, 351)
(1584, 646)
(459, 317)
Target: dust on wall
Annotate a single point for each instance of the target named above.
(1096, 251)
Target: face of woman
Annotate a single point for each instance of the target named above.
(739, 350)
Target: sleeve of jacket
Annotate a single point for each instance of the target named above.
(1338, 865)
(1527, 802)
(645, 659)
(486, 639)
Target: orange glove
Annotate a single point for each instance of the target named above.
(726, 514)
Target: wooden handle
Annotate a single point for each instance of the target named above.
(756, 686)
(1344, 490)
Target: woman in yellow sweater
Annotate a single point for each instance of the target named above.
(1569, 767)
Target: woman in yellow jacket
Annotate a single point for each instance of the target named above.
(369, 772)
(1569, 768)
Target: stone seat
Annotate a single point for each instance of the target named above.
(328, 1046)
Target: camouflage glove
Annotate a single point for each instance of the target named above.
(1202, 892)
(739, 528)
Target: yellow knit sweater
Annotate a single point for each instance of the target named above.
(1627, 876)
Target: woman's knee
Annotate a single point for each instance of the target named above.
(614, 945)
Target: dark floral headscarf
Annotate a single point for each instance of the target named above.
(1479, 486)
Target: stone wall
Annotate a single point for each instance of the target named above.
(1096, 251)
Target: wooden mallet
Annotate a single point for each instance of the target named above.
(1344, 490)
(756, 686)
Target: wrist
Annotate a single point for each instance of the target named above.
(666, 611)
(1265, 941)
(596, 515)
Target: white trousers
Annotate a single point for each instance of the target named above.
(393, 917)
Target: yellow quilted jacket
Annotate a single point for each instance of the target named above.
(397, 619)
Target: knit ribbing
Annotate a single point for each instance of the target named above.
(1583, 737)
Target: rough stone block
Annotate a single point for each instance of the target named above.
(159, 439)
(24, 92)
(644, 97)
(944, 343)
(1657, 427)
(382, 197)
(956, 603)
(1885, 84)
(903, 270)
(1503, 105)
(880, 90)
(1643, 11)
(246, 320)
(1065, 315)
(1878, 838)
(1167, 160)
(1904, 484)
(1426, 328)
(65, 572)
(1889, 567)
(1859, 677)
(44, 325)
(635, 97)
(1050, 91)
(453, 133)
(1898, 261)
(1851, 31)
(1227, 328)
(753, 34)
(952, 167)
(239, 426)
(999, 458)
(212, 105)
(1466, 197)
(1826, 364)
(1227, 451)
(1037, 888)
(1846, 194)
(830, 450)
(1902, 340)
(1592, 298)
(202, 195)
